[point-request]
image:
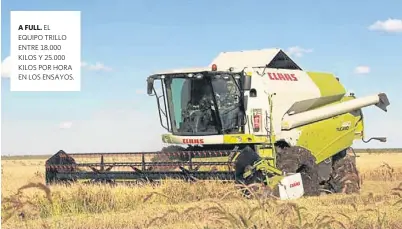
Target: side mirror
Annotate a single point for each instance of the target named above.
(246, 81)
(381, 139)
(150, 86)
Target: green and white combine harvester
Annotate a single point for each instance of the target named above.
(249, 117)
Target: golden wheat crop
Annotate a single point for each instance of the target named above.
(28, 203)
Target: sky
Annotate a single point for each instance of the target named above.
(123, 42)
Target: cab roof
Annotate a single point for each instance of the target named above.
(271, 58)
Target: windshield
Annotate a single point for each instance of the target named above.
(206, 105)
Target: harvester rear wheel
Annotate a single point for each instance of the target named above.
(345, 176)
(300, 160)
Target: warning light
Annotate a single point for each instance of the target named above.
(214, 67)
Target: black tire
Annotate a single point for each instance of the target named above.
(247, 157)
(255, 183)
(345, 176)
(300, 160)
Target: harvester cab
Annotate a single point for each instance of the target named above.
(250, 116)
(201, 103)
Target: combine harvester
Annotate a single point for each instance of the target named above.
(250, 117)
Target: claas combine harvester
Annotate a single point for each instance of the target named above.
(249, 117)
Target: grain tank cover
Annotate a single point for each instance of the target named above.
(271, 58)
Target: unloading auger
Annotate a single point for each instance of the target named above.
(250, 117)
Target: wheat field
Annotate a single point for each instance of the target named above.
(28, 203)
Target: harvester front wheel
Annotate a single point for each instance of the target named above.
(300, 160)
(345, 176)
(245, 161)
